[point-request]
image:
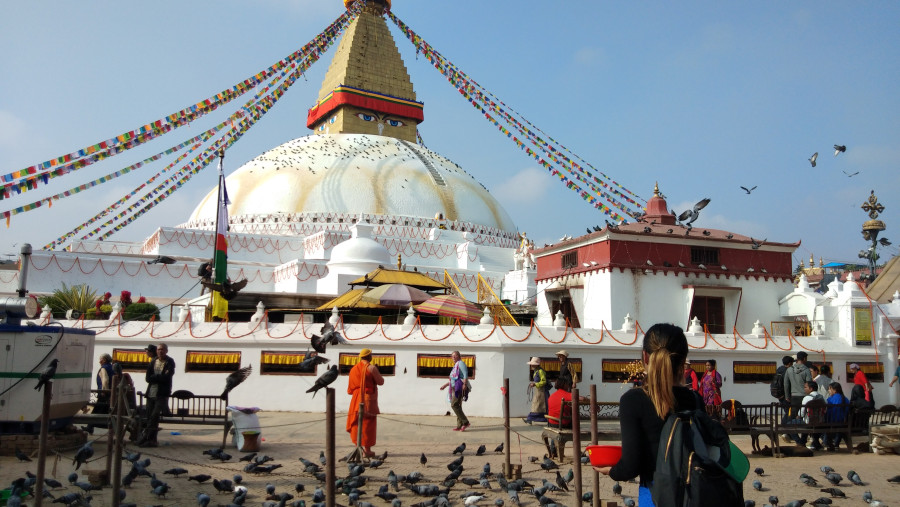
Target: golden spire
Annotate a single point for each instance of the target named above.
(656, 189)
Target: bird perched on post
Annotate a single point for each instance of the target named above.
(47, 375)
(234, 379)
(324, 380)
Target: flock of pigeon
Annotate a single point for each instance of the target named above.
(838, 149)
(831, 477)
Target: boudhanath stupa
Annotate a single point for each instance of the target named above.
(360, 193)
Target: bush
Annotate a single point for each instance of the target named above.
(77, 297)
(141, 311)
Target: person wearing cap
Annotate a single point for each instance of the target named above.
(459, 378)
(690, 377)
(540, 389)
(794, 379)
(362, 385)
(860, 379)
(159, 387)
(567, 374)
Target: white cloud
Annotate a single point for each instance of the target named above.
(525, 187)
(12, 129)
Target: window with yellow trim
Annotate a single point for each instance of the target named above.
(278, 362)
(617, 370)
(439, 365)
(384, 362)
(754, 372)
(131, 359)
(874, 371)
(203, 361)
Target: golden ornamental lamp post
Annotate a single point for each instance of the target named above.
(870, 230)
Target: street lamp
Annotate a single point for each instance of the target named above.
(870, 230)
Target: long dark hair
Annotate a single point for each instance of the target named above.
(666, 348)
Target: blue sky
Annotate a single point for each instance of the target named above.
(702, 97)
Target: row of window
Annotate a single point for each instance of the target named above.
(439, 365)
(699, 255)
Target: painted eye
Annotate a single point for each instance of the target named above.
(395, 123)
(332, 120)
(365, 117)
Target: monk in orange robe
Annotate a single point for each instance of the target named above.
(363, 387)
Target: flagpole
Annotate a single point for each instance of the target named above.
(219, 204)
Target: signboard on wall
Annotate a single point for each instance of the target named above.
(862, 326)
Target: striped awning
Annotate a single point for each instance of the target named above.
(377, 359)
(617, 365)
(195, 357)
(869, 367)
(553, 364)
(754, 368)
(432, 361)
(130, 356)
(350, 299)
(282, 358)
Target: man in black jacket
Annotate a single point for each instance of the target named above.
(159, 387)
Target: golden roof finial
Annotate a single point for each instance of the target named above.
(656, 189)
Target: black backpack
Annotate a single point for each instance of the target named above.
(777, 385)
(690, 464)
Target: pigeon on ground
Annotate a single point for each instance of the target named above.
(548, 464)
(812, 159)
(47, 375)
(834, 492)
(200, 478)
(499, 448)
(324, 380)
(460, 448)
(757, 485)
(480, 450)
(560, 482)
(175, 471)
(834, 478)
(247, 457)
(617, 489)
(759, 471)
(203, 499)
(423, 459)
(234, 379)
(53, 483)
(21, 456)
(839, 148)
(854, 477)
(895, 478)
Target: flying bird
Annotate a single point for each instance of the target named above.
(748, 190)
(756, 244)
(311, 361)
(812, 159)
(850, 175)
(329, 337)
(228, 289)
(839, 148)
(324, 380)
(691, 215)
(884, 242)
(162, 259)
(47, 375)
(234, 379)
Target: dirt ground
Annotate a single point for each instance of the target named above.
(290, 436)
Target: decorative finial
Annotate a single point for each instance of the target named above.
(656, 189)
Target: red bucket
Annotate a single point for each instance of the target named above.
(604, 455)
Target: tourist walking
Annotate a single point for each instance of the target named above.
(159, 387)
(458, 384)
(539, 387)
(362, 386)
(643, 412)
(711, 388)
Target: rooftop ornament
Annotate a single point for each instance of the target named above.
(870, 230)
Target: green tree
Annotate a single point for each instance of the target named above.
(80, 298)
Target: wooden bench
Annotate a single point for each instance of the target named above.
(817, 413)
(753, 420)
(186, 407)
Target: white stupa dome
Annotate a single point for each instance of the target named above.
(353, 174)
(360, 254)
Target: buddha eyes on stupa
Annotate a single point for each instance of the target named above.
(365, 117)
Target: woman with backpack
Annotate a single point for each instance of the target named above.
(643, 412)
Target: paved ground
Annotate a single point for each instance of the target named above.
(289, 436)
